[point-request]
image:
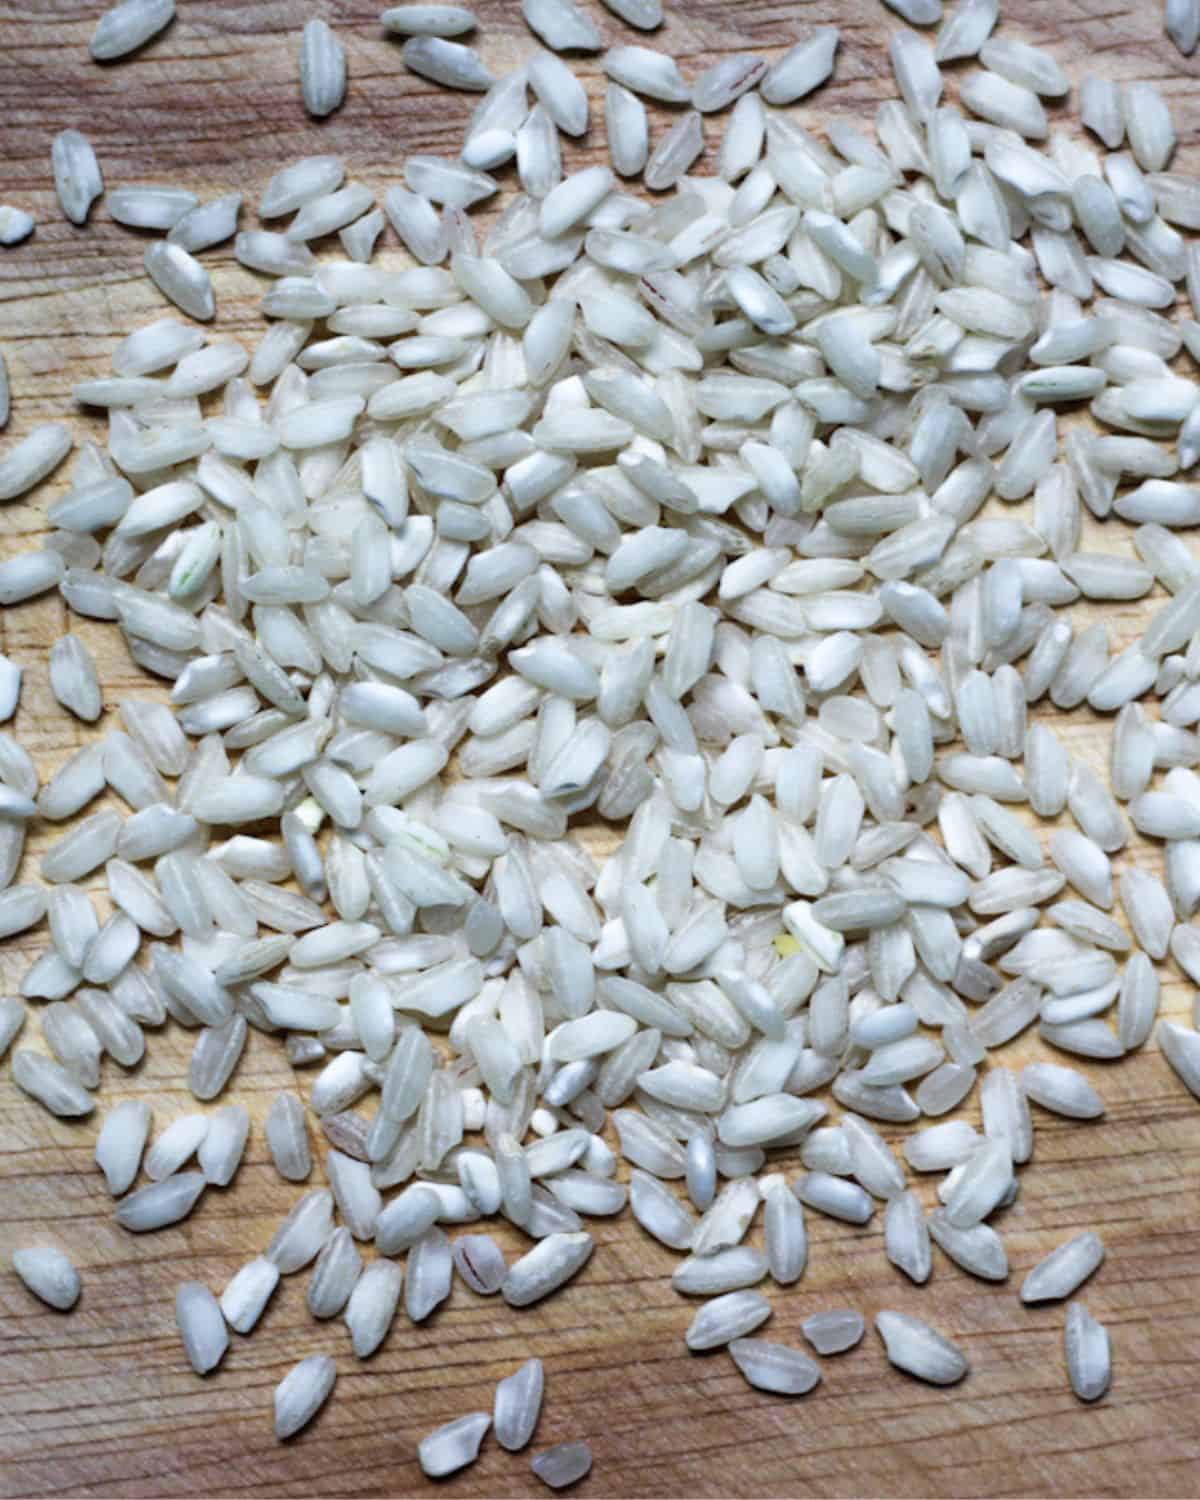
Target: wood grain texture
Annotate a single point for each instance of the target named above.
(101, 1402)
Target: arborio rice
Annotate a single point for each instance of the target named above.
(688, 518)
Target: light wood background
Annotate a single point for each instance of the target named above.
(102, 1402)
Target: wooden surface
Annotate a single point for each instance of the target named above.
(101, 1402)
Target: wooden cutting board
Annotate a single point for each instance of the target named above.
(102, 1402)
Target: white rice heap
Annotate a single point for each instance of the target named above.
(688, 521)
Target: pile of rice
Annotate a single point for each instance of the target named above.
(606, 648)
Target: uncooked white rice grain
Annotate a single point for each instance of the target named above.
(243, 1300)
(301, 1394)
(12, 1019)
(920, 1350)
(1182, 22)
(181, 279)
(52, 1085)
(979, 1250)
(74, 680)
(834, 1330)
(449, 63)
(454, 1445)
(1064, 1270)
(32, 459)
(786, 1235)
(428, 20)
(1088, 1352)
(659, 1212)
(775, 1367)
(179, 1141)
(77, 178)
(202, 1326)
(49, 1275)
(302, 1233)
(906, 1237)
(161, 1203)
(644, 14)
(518, 1405)
(322, 69)
(128, 25)
(803, 68)
(567, 1463)
(334, 1276)
(1062, 1090)
(480, 1262)
(1181, 1048)
(1148, 126)
(727, 1318)
(675, 153)
(546, 1267)
(429, 1274)
(562, 25)
(965, 29)
(917, 12)
(120, 1144)
(16, 224)
(372, 1306)
(220, 1152)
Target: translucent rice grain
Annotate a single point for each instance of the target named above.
(566, 1463)
(1088, 1353)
